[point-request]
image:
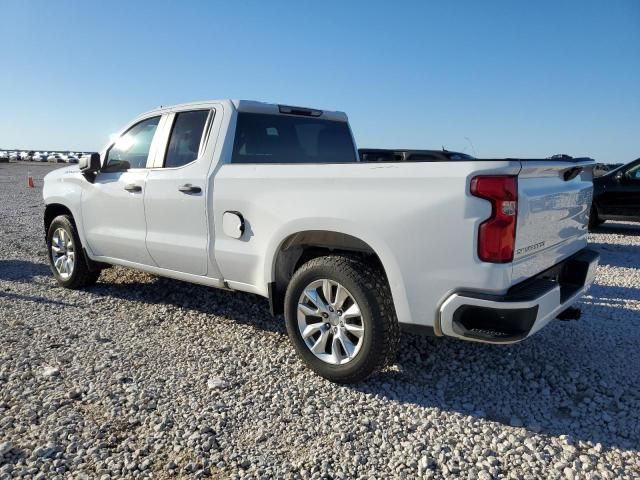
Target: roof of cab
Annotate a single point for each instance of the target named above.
(246, 106)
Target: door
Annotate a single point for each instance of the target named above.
(175, 199)
(112, 206)
(621, 195)
(627, 198)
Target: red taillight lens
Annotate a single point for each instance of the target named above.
(497, 234)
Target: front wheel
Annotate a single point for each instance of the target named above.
(66, 257)
(341, 319)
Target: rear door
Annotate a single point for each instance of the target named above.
(554, 198)
(175, 199)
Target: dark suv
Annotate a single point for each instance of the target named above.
(388, 155)
(616, 195)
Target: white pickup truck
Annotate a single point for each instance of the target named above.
(273, 200)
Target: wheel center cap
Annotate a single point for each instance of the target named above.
(334, 319)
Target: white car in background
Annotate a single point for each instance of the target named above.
(40, 157)
(55, 158)
(4, 156)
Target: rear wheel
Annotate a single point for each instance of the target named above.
(594, 220)
(68, 263)
(340, 318)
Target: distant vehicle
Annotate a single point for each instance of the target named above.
(39, 157)
(14, 156)
(4, 156)
(26, 156)
(388, 155)
(55, 158)
(560, 156)
(616, 195)
(71, 158)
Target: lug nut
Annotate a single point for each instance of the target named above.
(325, 315)
(339, 312)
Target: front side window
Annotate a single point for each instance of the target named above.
(634, 173)
(266, 138)
(186, 135)
(134, 145)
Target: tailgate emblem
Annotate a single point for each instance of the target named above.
(530, 248)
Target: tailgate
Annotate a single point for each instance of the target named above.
(554, 198)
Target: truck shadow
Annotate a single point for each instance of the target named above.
(22, 271)
(240, 307)
(551, 383)
(617, 255)
(620, 228)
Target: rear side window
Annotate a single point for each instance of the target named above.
(264, 138)
(134, 145)
(186, 134)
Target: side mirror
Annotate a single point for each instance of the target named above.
(90, 165)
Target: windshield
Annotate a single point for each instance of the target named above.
(265, 138)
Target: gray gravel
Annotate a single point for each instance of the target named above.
(149, 377)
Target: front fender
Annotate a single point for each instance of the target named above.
(64, 187)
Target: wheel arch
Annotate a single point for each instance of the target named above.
(52, 210)
(300, 247)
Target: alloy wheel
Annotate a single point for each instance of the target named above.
(330, 322)
(63, 253)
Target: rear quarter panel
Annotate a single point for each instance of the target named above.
(418, 217)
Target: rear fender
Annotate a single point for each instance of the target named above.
(376, 244)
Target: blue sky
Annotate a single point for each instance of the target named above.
(514, 78)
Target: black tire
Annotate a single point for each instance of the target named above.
(81, 275)
(594, 220)
(369, 288)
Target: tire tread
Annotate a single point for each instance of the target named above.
(82, 276)
(373, 282)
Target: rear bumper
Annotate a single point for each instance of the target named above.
(524, 309)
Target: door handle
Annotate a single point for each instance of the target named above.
(133, 188)
(188, 188)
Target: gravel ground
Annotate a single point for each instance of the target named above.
(143, 376)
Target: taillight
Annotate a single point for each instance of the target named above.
(497, 234)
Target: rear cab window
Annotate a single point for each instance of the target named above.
(272, 138)
(186, 138)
